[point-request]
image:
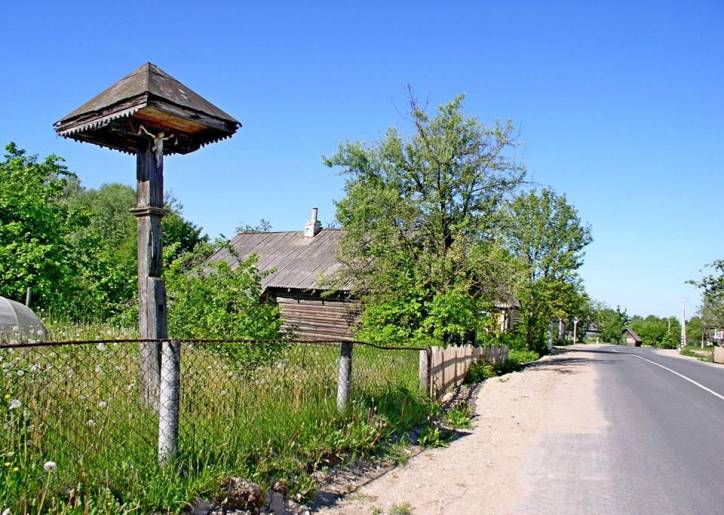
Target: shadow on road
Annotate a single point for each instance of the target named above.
(565, 361)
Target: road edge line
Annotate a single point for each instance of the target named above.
(676, 373)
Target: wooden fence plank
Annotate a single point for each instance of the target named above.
(449, 366)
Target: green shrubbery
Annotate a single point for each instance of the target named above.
(450, 317)
(480, 371)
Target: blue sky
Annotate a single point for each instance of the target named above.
(619, 105)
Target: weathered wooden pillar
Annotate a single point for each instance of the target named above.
(151, 291)
(344, 381)
(150, 113)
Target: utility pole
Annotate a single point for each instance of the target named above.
(575, 330)
(683, 325)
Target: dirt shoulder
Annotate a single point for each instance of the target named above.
(492, 469)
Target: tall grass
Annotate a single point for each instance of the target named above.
(80, 407)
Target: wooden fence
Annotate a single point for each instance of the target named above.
(445, 368)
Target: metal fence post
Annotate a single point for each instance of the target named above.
(169, 399)
(344, 383)
(425, 370)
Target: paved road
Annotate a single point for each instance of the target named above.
(661, 452)
(592, 429)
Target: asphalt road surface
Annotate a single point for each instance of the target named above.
(662, 450)
(591, 429)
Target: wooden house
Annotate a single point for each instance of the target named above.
(299, 267)
(298, 264)
(630, 338)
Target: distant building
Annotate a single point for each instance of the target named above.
(507, 312)
(301, 263)
(630, 338)
(592, 333)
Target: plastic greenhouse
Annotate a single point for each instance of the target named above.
(18, 323)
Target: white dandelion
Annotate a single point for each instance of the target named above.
(91, 423)
(102, 404)
(50, 466)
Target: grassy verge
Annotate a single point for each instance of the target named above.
(80, 408)
(694, 351)
(480, 371)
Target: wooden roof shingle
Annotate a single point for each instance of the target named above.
(296, 261)
(151, 97)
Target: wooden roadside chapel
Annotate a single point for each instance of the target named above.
(150, 114)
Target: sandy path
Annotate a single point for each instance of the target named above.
(495, 468)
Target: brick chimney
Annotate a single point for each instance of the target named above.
(313, 226)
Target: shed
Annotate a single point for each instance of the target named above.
(18, 323)
(507, 311)
(630, 338)
(299, 266)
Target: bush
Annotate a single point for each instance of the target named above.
(459, 416)
(519, 357)
(513, 339)
(450, 317)
(479, 372)
(215, 301)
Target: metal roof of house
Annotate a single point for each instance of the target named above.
(296, 261)
(152, 97)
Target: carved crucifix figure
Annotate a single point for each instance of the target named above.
(158, 140)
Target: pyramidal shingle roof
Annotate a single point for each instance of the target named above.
(152, 97)
(151, 79)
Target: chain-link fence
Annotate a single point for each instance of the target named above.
(81, 428)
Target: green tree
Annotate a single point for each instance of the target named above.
(218, 301)
(105, 245)
(33, 224)
(262, 226)
(656, 331)
(582, 309)
(420, 216)
(611, 323)
(695, 330)
(546, 235)
(712, 296)
(75, 247)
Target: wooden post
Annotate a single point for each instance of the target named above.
(344, 382)
(168, 405)
(550, 336)
(425, 368)
(151, 292)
